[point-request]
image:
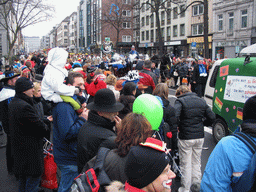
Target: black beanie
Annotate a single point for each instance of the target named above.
(23, 84)
(144, 165)
(249, 110)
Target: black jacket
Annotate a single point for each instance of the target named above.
(191, 111)
(196, 76)
(27, 131)
(95, 133)
(169, 115)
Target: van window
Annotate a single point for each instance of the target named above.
(214, 76)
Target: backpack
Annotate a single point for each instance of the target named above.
(94, 179)
(246, 181)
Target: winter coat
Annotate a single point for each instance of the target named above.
(190, 112)
(169, 115)
(231, 155)
(196, 76)
(27, 131)
(182, 69)
(66, 125)
(149, 72)
(95, 133)
(117, 186)
(127, 100)
(6, 95)
(54, 75)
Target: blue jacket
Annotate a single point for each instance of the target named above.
(230, 156)
(66, 125)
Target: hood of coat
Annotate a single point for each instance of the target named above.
(57, 58)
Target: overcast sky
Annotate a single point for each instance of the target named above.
(63, 8)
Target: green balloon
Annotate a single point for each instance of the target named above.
(149, 106)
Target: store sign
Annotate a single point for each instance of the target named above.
(231, 43)
(146, 45)
(172, 43)
(198, 39)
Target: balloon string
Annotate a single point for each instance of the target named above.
(173, 160)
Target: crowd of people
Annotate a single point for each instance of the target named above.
(84, 102)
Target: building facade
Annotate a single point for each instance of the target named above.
(32, 44)
(233, 27)
(63, 33)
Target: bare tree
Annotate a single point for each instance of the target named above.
(16, 15)
(115, 17)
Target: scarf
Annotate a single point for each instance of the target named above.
(202, 70)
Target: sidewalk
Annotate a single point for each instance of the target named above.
(8, 183)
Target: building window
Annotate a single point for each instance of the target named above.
(168, 15)
(182, 29)
(162, 33)
(152, 35)
(175, 31)
(198, 9)
(126, 38)
(231, 21)
(147, 35)
(197, 29)
(147, 20)
(152, 21)
(244, 18)
(65, 41)
(126, 13)
(65, 27)
(220, 22)
(162, 18)
(126, 25)
(142, 21)
(182, 12)
(168, 33)
(143, 36)
(175, 12)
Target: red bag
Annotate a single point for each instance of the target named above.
(49, 177)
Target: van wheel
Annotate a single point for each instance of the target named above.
(220, 129)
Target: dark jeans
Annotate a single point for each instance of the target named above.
(29, 183)
(200, 89)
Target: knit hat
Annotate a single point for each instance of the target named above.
(23, 84)
(146, 162)
(249, 110)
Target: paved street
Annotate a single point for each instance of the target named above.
(9, 184)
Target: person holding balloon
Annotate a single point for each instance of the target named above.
(191, 110)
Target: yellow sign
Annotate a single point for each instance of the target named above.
(198, 39)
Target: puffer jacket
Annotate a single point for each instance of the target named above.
(54, 75)
(191, 111)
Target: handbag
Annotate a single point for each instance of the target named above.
(49, 177)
